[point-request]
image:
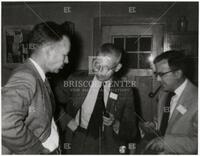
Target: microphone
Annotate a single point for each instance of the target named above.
(151, 94)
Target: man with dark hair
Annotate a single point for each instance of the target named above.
(100, 111)
(177, 118)
(28, 126)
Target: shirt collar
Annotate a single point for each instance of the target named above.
(39, 69)
(108, 83)
(180, 89)
(96, 82)
(99, 83)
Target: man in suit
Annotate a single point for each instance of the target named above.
(100, 111)
(28, 126)
(178, 122)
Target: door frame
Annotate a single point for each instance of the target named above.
(99, 22)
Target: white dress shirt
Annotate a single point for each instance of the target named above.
(52, 141)
(176, 97)
(107, 85)
(90, 100)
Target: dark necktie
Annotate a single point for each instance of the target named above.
(166, 112)
(96, 119)
(46, 82)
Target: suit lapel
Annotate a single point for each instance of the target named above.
(183, 101)
(43, 87)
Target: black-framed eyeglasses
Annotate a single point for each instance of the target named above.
(160, 74)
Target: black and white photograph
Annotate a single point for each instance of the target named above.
(99, 77)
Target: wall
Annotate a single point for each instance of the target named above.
(83, 14)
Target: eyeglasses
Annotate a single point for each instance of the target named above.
(162, 74)
(113, 67)
(107, 67)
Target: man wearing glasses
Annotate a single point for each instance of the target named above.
(177, 115)
(100, 112)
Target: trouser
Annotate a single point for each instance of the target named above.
(85, 144)
(82, 143)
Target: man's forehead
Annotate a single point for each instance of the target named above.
(104, 58)
(65, 41)
(163, 64)
(108, 58)
(63, 44)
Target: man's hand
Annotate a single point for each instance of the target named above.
(147, 127)
(108, 121)
(157, 144)
(72, 125)
(116, 126)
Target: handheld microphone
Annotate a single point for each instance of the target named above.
(106, 114)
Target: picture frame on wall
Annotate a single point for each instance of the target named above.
(16, 48)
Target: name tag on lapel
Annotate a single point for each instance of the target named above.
(113, 96)
(181, 109)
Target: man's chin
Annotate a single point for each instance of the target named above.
(100, 78)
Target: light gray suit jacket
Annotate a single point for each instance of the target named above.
(26, 112)
(181, 136)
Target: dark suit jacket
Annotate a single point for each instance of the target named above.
(26, 112)
(72, 98)
(181, 136)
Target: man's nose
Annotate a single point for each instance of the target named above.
(66, 60)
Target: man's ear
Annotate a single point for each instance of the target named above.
(119, 66)
(46, 49)
(179, 73)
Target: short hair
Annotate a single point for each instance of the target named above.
(45, 32)
(109, 49)
(176, 60)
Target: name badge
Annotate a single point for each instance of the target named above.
(113, 96)
(181, 109)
